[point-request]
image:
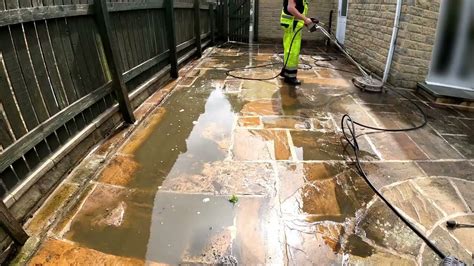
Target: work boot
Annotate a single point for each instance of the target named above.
(292, 81)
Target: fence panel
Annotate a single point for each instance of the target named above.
(55, 78)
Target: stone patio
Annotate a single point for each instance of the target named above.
(162, 195)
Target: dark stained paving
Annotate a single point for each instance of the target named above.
(164, 196)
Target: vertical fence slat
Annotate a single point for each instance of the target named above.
(16, 79)
(110, 49)
(40, 68)
(70, 59)
(5, 137)
(118, 38)
(8, 101)
(51, 64)
(78, 63)
(256, 8)
(171, 33)
(127, 39)
(197, 26)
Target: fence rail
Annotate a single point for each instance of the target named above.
(63, 63)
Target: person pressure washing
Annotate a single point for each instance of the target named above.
(293, 19)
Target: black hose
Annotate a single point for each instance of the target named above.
(348, 129)
(348, 124)
(228, 72)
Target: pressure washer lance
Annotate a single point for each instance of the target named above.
(365, 82)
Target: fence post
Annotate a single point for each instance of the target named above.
(171, 32)
(226, 20)
(197, 26)
(112, 57)
(212, 23)
(11, 225)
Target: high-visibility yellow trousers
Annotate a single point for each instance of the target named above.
(292, 47)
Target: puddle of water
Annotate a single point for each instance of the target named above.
(114, 220)
(317, 145)
(185, 226)
(188, 145)
(286, 122)
(257, 144)
(194, 130)
(322, 191)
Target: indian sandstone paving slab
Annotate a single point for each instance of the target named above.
(464, 235)
(397, 120)
(46, 214)
(249, 121)
(468, 123)
(337, 83)
(226, 178)
(58, 252)
(259, 231)
(261, 107)
(280, 122)
(258, 90)
(232, 86)
(119, 171)
(86, 168)
(256, 73)
(442, 193)
(310, 248)
(415, 205)
(317, 145)
(200, 228)
(62, 226)
(190, 228)
(143, 110)
(324, 123)
(380, 225)
(464, 144)
(143, 132)
(113, 214)
(466, 190)
(397, 146)
(433, 145)
(441, 237)
(382, 174)
(258, 144)
(448, 125)
(381, 258)
(321, 191)
(462, 169)
(379, 108)
(327, 73)
(309, 145)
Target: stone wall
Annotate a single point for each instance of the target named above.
(369, 29)
(415, 42)
(368, 33)
(269, 18)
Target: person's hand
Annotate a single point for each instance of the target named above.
(307, 21)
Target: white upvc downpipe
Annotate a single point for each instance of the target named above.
(396, 24)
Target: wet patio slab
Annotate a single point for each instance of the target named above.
(226, 171)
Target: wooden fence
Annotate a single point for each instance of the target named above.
(64, 62)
